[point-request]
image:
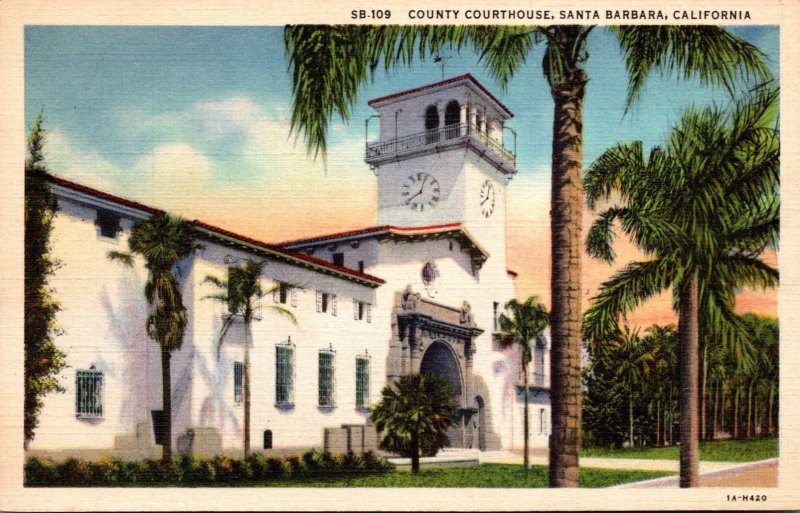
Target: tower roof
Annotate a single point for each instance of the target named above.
(466, 78)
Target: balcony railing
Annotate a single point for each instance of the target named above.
(436, 136)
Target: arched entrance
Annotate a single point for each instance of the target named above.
(440, 360)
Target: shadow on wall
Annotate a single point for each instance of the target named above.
(138, 370)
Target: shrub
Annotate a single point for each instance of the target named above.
(40, 472)
(189, 470)
(295, 465)
(278, 468)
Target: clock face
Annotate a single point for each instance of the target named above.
(420, 191)
(487, 198)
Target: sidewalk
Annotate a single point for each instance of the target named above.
(712, 473)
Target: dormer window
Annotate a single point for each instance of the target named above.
(108, 224)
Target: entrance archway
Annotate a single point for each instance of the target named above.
(440, 360)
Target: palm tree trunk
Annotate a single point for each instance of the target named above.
(750, 410)
(526, 428)
(565, 285)
(246, 388)
(658, 423)
(688, 370)
(715, 412)
(415, 453)
(166, 405)
(704, 395)
(736, 413)
(630, 417)
(769, 414)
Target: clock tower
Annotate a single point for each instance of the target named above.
(440, 159)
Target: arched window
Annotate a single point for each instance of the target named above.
(431, 124)
(452, 117)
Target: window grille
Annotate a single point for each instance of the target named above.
(284, 373)
(326, 397)
(238, 382)
(89, 393)
(362, 382)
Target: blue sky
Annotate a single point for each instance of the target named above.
(167, 115)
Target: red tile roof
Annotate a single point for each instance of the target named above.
(277, 251)
(287, 253)
(466, 76)
(103, 195)
(371, 231)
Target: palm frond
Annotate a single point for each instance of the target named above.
(122, 257)
(710, 53)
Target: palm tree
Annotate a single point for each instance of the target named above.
(415, 413)
(633, 359)
(330, 63)
(702, 210)
(662, 340)
(242, 292)
(523, 327)
(163, 241)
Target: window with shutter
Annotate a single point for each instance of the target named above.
(325, 379)
(369, 313)
(355, 309)
(362, 382)
(238, 382)
(294, 296)
(319, 301)
(333, 304)
(284, 375)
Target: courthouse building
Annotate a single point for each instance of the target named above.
(420, 291)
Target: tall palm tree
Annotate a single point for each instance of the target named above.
(330, 63)
(662, 378)
(414, 414)
(242, 291)
(702, 210)
(523, 327)
(163, 241)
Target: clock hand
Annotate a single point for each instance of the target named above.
(414, 196)
(484, 201)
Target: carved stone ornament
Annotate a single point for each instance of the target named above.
(466, 314)
(409, 299)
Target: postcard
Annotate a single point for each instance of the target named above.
(399, 256)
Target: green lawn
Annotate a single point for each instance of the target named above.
(753, 449)
(488, 475)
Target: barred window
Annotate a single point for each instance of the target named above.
(284, 370)
(326, 397)
(238, 382)
(362, 382)
(89, 393)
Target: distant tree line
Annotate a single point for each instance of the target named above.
(631, 387)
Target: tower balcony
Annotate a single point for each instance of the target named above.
(441, 139)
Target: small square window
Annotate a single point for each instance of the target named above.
(108, 223)
(338, 259)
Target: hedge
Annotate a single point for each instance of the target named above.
(199, 471)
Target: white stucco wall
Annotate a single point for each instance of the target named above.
(301, 425)
(103, 320)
